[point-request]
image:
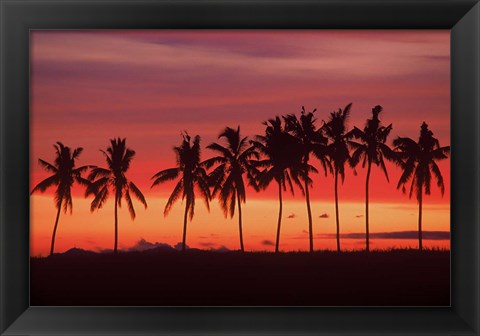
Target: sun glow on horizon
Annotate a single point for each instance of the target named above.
(94, 231)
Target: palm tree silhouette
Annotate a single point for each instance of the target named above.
(227, 177)
(282, 162)
(420, 162)
(118, 158)
(372, 149)
(193, 174)
(311, 141)
(64, 175)
(338, 151)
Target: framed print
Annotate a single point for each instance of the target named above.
(231, 190)
(306, 167)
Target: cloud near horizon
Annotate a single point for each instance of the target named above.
(427, 235)
(267, 242)
(143, 245)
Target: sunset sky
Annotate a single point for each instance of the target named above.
(148, 86)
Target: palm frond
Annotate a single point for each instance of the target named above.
(232, 204)
(46, 183)
(93, 187)
(108, 157)
(357, 155)
(408, 170)
(48, 166)
(137, 193)
(191, 204)
(413, 185)
(130, 206)
(438, 177)
(216, 178)
(76, 153)
(177, 192)
(219, 148)
(382, 165)
(441, 153)
(227, 192)
(427, 180)
(288, 181)
(98, 172)
(209, 163)
(204, 188)
(358, 134)
(165, 175)
(100, 199)
(82, 181)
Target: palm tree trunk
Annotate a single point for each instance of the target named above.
(367, 232)
(420, 246)
(309, 212)
(115, 246)
(184, 239)
(336, 210)
(279, 216)
(52, 246)
(240, 222)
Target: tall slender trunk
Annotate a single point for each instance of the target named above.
(116, 224)
(279, 216)
(240, 222)
(367, 232)
(420, 246)
(309, 212)
(52, 246)
(336, 210)
(185, 217)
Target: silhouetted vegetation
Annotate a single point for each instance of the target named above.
(311, 141)
(290, 150)
(372, 149)
(420, 162)
(338, 151)
(64, 174)
(282, 163)
(113, 178)
(203, 278)
(192, 174)
(227, 177)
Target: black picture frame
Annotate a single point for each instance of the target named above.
(18, 17)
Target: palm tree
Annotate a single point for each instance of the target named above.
(227, 178)
(372, 149)
(420, 162)
(282, 162)
(112, 178)
(311, 141)
(64, 175)
(193, 174)
(338, 151)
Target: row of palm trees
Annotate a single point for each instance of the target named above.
(283, 154)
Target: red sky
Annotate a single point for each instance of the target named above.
(90, 86)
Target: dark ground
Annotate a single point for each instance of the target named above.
(202, 278)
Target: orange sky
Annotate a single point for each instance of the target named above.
(148, 86)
